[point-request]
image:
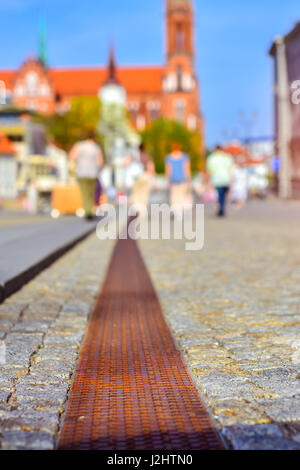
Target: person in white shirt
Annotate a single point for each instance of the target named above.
(88, 159)
(219, 166)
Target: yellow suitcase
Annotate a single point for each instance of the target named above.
(66, 199)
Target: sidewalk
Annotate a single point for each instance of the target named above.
(234, 310)
(29, 244)
(42, 327)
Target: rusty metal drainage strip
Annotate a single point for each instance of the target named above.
(132, 390)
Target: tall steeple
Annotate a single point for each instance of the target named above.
(112, 91)
(180, 84)
(180, 28)
(42, 48)
(112, 68)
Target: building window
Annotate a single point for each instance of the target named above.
(44, 90)
(179, 77)
(179, 108)
(153, 108)
(187, 82)
(170, 83)
(180, 37)
(19, 91)
(141, 122)
(192, 122)
(133, 109)
(32, 83)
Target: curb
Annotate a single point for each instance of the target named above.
(16, 283)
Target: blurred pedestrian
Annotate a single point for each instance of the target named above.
(178, 173)
(219, 166)
(146, 171)
(88, 160)
(239, 187)
(32, 197)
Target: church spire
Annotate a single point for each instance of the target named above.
(112, 68)
(42, 49)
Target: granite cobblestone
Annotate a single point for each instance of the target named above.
(43, 326)
(234, 311)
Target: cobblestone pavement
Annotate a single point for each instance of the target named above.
(42, 327)
(234, 311)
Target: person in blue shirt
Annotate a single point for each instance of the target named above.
(178, 173)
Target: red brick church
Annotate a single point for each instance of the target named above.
(170, 90)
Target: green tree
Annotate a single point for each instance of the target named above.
(159, 136)
(68, 128)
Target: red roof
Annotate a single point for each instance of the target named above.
(7, 76)
(77, 81)
(6, 147)
(88, 80)
(235, 150)
(139, 80)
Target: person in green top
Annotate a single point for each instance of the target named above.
(219, 166)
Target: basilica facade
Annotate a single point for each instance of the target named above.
(170, 90)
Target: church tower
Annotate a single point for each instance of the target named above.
(180, 28)
(180, 84)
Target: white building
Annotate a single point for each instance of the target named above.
(8, 169)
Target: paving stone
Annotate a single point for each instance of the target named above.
(38, 396)
(31, 420)
(283, 409)
(54, 365)
(11, 373)
(277, 383)
(248, 412)
(233, 308)
(59, 340)
(55, 354)
(11, 311)
(4, 394)
(259, 437)
(26, 440)
(76, 308)
(221, 385)
(54, 368)
(42, 378)
(5, 325)
(24, 339)
(43, 345)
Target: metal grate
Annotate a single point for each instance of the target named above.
(132, 390)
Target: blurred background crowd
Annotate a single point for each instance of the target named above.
(131, 116)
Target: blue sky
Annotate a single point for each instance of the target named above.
(232, 39)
